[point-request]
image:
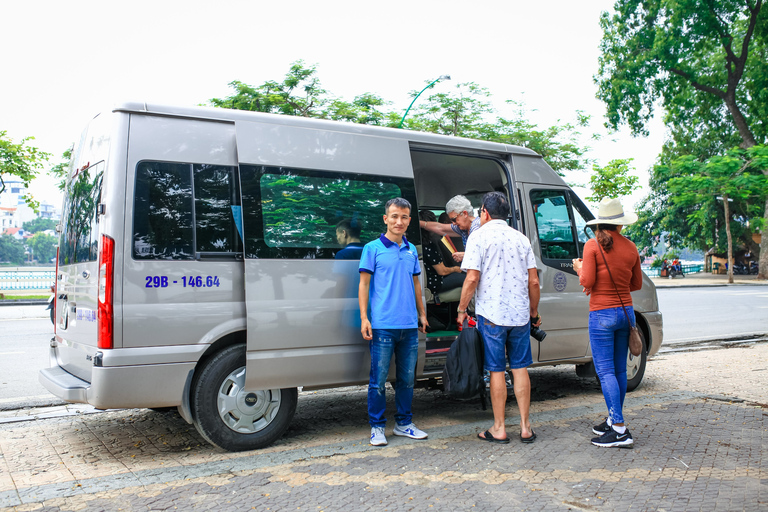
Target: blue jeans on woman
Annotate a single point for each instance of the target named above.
(609, 339)
(404, 344)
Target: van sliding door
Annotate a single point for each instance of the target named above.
(301, 279)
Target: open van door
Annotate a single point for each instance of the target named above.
(556, 220)
(303, 319)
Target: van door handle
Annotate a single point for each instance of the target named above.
(86, 274)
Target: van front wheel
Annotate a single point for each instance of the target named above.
(231, 418)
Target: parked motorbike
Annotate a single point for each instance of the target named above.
(673, 273)
(740, 269)
(754, 267)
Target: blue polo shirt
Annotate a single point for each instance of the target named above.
(392, 299)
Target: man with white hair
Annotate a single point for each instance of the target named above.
(463, 222)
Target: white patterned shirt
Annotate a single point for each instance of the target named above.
(503, 256)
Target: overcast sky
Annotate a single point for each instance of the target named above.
(65, 61)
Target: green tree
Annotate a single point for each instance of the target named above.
(43, 247)
(61, 170)
(11, 250)
(735, 175)
(22, 161)
(613, 180)
(460, 113)
(300, 93)
(38, 224)
(705, 62)
(467, 112)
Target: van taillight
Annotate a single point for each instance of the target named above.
(55, 290)
(106, 281)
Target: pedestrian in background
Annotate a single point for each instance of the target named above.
(500, 265)
(389, 282)
(609, 271)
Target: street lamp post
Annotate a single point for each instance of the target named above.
(441, 77)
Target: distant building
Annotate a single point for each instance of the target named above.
(17, 233)
(14, 211)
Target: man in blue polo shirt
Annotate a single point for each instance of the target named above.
(389, 282)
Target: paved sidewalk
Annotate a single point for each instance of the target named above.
(706, 279)
(700, 423)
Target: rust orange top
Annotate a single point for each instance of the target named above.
(625, 267)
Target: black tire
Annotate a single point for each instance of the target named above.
(228, 417)
(636, 365)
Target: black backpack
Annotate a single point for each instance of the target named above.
(463, 371)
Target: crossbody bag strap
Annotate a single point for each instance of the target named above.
(614, 283)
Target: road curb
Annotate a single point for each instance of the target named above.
(23, 302)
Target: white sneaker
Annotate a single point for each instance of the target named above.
(377, 436)
(410, 430)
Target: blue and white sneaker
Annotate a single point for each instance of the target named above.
(410, 430)
(377, 436)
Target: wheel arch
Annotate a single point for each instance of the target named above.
(229, 339)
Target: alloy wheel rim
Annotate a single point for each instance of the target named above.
(246, 412)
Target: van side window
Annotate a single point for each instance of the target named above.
(292, 213)
(80, 222)
(215, 195)
(553, 216)
(183, 209)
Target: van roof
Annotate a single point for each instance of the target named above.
(231, 115)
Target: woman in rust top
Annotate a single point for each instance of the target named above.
(608, 325)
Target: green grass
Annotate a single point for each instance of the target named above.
(22, 297)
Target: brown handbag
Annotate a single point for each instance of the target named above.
(635, 342)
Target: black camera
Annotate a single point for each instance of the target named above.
(537, 333)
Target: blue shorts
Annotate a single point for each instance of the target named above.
(504, 343)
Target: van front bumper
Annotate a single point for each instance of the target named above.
(655, 330)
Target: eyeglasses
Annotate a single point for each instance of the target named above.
(453, 219)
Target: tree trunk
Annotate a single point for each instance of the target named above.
(730, 240)
(762, 272)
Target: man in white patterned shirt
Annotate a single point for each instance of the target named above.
(500, 266)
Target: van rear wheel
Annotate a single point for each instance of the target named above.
(231, 418)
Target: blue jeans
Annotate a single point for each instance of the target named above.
(609, 339)
(404, 344)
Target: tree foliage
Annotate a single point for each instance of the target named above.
(300, 93)
(38, 224)
(613, 180)
(464, 111)
(61, 169)
(705, 62)
(11, 250)
(43, 247)
(735, 176)
(20, 160)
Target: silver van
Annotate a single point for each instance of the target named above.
(198, 265)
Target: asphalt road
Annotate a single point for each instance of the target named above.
(707, 312)
(23, 352)
(689, 314)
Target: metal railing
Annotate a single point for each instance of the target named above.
(687, 269)
(26, 278)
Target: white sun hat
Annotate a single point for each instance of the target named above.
(611, 212)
